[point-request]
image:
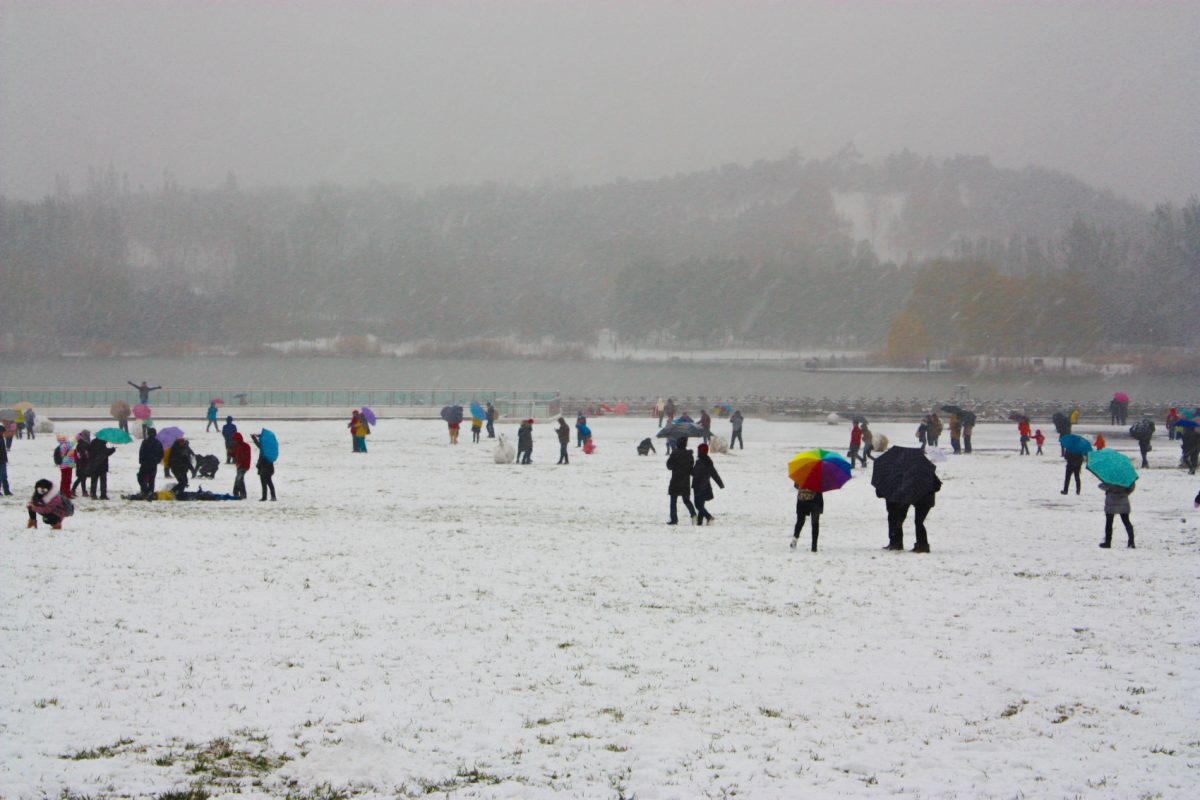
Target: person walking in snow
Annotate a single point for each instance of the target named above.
(212, 418)
(855, 444)
(1143, 432)
(955, 433)
(935, 429)
(227, 431)
(968, 429)
(704, 474)
(868, 444)
(266, 470)
(144, 391)
(736, 419)
(149, 455)
(1172, 418)
(83, 443)
(809, 505)
(4, 488)
(680, 463)
(476, 429)
(50, 504)
(564, 439)
(1074, 465)
(241, 460)
(525, 442)
(30, 422)
(668, 411)
(1189, 447)
(1116, 502)
(1040, 439)
(1023, 432)
(491, 421)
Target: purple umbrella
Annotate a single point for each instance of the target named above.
(368, 415)
(168, 436)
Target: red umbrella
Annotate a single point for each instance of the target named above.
(1121, 397)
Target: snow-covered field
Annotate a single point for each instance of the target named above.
(420, 620)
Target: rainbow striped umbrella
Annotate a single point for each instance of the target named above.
(819, 470)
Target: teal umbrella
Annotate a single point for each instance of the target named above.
(113, 436)
(1076, 444)
(1112, 468)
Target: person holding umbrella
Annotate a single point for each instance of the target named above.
(1074, 448)
(1118, 479)
(814, 472)
(265, 467)
(681, 463)
(904, 477)
(98, 454)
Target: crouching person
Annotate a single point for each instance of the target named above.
(50, 503)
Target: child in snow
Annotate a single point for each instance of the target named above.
(808, 504)
(50, 503)
(453, 428)
(704, 472)
(645, 447)
(1099, 442)
(64, 457)
(212, 418)
(1116, 501)
(476, 428)
(1040, 439)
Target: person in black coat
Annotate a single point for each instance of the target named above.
(180, 464)
(227, 431)
(150, 455)
(525, 442)
(680, 462)
(4, 488)
(704, 473)
(646, 446)
(808, 504)
(1074, 465)
(491, 421)
(266, 471)
(1189, 447)
(564, 439)
(98, 453)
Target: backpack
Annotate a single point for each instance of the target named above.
(68, 507)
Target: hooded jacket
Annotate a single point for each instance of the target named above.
(241, 453)
(680, 463)
(150, 453)
(704, 472)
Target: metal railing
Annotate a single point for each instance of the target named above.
(509, 402)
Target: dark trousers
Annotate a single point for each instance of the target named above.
(966, 442)
(475, 435)
(737, 439)
(867, 448)
(1144, 446)
(578, 438)
(1071, 470)
(102, 479)
(239, 484)
(123, 424)
(687, 501)
(268, 482)
(79, 485)
(896, 513)
(181, 480)
(1108, 526)
(146, 478)
(1024, 445)
(852, 455)
(562, 453)
(4, 477)
(816, 526)
(212, 425)
(29, 430)
(956, 443)
(922, 508)
(701, 512)
(491, 429)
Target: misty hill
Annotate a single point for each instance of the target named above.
(784, 251)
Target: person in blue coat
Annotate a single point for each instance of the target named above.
(212, 418)
(228, 430)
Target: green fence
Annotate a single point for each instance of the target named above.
(509, 402)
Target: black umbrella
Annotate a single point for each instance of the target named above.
(452, 413)
(949, 409)
(967, 417)
(681, 430)
(1143, 429)
(904, 475)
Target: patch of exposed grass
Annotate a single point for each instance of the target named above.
(45, 702)
(104, 751)
(464, 777)
(220, 759)
(616, 713)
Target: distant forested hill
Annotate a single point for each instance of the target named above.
(786, 252)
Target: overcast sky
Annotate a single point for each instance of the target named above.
(427, 93)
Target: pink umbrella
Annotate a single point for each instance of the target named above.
(141, 411)
(216, 401)
(1121, 397)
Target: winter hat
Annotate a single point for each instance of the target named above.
(530, 421)
(43, 484)
(702, 449)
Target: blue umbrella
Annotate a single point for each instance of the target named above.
(1112, 467)
(269, 445)
(478, 411)
(1187, 423)
(1073, 443)
(680, 430)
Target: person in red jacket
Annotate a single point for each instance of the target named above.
(1040, 439)
(1023, 429)
(855, 444)
(1099, 443)
(241, 460)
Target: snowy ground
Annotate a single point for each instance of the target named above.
(420, 620)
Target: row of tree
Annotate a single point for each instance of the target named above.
(738, 254)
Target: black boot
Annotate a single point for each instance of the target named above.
(1131, 545)
(1107, 543)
